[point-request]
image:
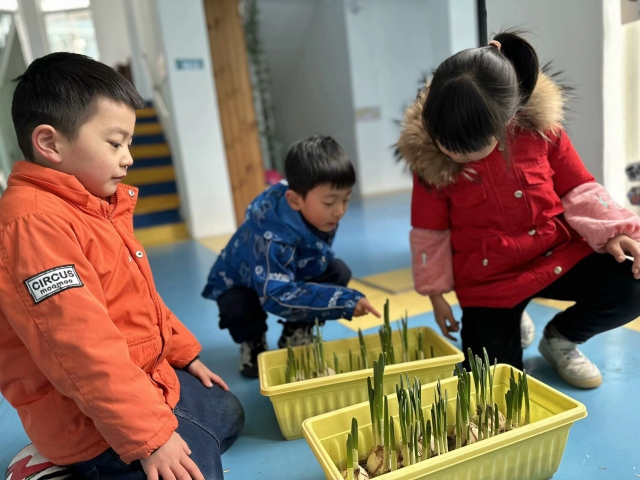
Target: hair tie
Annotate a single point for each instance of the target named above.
(495, 43)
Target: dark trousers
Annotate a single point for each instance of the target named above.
(242, 314)
(606, 295)
(209, 420)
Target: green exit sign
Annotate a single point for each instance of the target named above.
(189, 63)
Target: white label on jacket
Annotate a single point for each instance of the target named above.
(52, 282)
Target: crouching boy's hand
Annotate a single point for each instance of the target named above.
(171, 461)
(363, 307)
(206, 376)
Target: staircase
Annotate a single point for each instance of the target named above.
(156, 219)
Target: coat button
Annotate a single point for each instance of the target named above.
(485, 262)
(518, 194)
(132, 193)
(532, 232)
(557, 270)
(139, 254)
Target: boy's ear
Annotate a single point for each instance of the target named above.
(295, 200)
(45, 140)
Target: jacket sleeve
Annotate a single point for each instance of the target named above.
(591, 212)
(431, 261)
(184, 347)
(569, 171)
(295, 300)
(588, 207)
(429, 207)
(72, 339)
(430, 239)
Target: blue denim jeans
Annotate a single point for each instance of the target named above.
(209, 420)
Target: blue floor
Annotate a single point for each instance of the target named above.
(373, 238)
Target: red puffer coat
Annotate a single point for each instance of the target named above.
(498, 227)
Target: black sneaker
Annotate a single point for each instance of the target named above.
(249, 356)
(298, 333)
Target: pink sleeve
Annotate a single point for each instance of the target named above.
(431, 261)
(591, 212)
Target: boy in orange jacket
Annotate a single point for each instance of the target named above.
(104, 377)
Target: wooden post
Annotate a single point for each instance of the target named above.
(235, 102)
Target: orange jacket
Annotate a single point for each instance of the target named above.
(87, 345)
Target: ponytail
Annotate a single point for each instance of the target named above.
(524, 59)
(477, 92)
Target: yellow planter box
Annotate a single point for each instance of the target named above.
(295, 402)
(532, 452)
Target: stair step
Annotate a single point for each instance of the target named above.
(151, 128)
(156, 219)
(147, 112)
(157, 189)
(139, 152)
(156, 203)
(150, 162)
(149, 176)
(149, 139)
(162, 235)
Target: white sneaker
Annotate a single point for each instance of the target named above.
(527, 330)
(570, 363)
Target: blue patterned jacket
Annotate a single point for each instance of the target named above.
(277, 255)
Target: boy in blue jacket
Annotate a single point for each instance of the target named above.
(280, 259)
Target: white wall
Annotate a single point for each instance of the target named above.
(35, 44)
(613, 86)
(306, 48)
(199, 155)
(463, 25)
(631, 76)
(571, 33)
(392, 45)
(14, 65)
(349, 68)
(111, 30)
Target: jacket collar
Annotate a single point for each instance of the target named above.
(69, 188)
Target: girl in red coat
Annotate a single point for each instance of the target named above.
(504, 210)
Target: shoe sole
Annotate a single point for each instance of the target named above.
(585, 383)
(528, 343)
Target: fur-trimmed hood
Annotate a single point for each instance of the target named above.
(544, 112)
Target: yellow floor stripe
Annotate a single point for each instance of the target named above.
(157, 203)
(557, 304)
(635, 325)
(146, 112)
(396, 281)
(148, 129)
(162, 235)
(155, 150)
(216, 243)
(148, 176)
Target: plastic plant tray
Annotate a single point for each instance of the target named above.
(531, 452)
(295, 402)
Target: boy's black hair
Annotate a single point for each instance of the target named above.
(61, 90)
(475, 93)
(315, 161)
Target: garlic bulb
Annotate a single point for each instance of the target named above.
(473, 433)
(358, 474)
(375, 461)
